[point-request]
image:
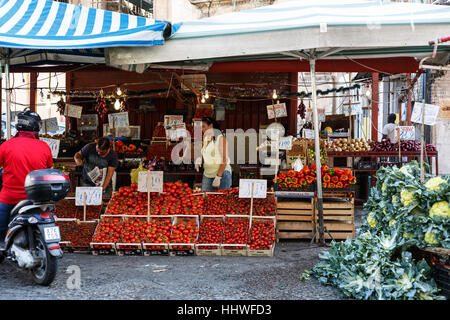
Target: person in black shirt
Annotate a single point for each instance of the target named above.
(99, 163)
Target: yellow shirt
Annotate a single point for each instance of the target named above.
(212, 157)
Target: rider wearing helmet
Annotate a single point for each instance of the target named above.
(18, 157)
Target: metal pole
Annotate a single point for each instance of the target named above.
(312, 63)
(422, 143)
(8, 109)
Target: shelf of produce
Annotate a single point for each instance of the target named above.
(338, 215)
(295, 219)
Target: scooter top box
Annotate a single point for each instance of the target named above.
(47, 185)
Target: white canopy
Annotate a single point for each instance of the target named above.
(353, 28)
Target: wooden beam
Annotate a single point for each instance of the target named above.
(375, 106)
(293, 104)
(171, 87)
(188, 85)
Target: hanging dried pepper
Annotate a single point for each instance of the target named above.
(101, 107)
(61, 106)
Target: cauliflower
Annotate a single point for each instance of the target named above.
(441, 209)
(394, 198)
(430, 237)
(434, 183)
(383, 187)
(391, 222)
(406, 198)
(371, 221)
(404, 170)
(407, 235)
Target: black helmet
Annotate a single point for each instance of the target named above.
(28, 121)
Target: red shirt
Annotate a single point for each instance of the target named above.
(18, 157)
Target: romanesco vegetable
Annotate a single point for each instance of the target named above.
(406, 198)
(430, 237)
(434, 183)
(441, 209)
(371, 221)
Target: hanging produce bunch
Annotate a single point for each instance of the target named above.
(100, 107)
(301, 110)
(305, 179)
(61, 105)
(403, 213)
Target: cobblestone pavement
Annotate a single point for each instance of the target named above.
(196, 278)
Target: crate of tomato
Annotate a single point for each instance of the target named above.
(210, 236)
(234, 242)
(106, 235)
(157, 236)
(261, 242)
(131, 235)
(184, 235)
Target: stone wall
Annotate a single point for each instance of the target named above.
(441, 131)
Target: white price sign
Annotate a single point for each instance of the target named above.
(73, 111)
(431, 113)
(120, 120)
(280, 110)
(286, 143)
(54, 146)
(259, 188)
(93, 196)
(407, 132)
(270, 112)
(156, 181)
(170, 120)
(308, 133)
(50, 125)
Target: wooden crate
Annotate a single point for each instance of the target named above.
(295, 219)
(155, 249)
(338, 217)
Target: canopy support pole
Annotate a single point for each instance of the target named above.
(8, 107)
(312, 63)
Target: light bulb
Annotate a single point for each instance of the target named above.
(203, 99)
(206, 94)
(368, 93)
(274, 96)
(117, 104)
(119, 92)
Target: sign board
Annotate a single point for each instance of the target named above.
(280, 110)
(270, 112)
(50, 124)
(119, 119)
(93, 196)
(170, 120)
(88, 122)
(156, 181)
(259, 189)
(431, 113)
(407, 132)
(285, 143)
(54, 146)
(73, 111)
(356, 109)
(308, 133)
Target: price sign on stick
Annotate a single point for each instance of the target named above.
(259, 188)
(90, 196)
(286, 143)
(407, 132)
(430, 113)
(54, 146)
(155, 180)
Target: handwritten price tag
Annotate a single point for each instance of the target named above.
(280, 110)
(308, 133)
(54, 146)
(431, 113)
(259, 188)
(93, 196)
(73, 111)
(170, 120)
(270, 112)
(286, 143)
(120, 120)
(156, 181)
(50, 124)
(407, 132)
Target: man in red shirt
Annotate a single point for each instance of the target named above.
(18, 157)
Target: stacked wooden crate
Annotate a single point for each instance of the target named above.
(295, 218)
(338, 217)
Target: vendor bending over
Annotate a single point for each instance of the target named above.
(99, 163)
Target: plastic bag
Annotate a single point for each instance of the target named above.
(297, 165)
(135, 173)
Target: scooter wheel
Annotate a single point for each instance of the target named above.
(45, 273)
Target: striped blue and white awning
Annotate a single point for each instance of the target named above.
(42, 24)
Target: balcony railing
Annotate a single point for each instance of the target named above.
(135, 7)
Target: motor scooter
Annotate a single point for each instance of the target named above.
(32, 239)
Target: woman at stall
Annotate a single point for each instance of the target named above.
(216, 164)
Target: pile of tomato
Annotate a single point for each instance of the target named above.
(211, 231)
(262, 235)
(157, 231)
(66, 209)
(235, 232)
(184, 231)
(108, 231)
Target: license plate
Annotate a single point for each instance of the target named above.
(52, 234)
